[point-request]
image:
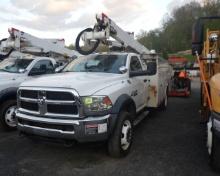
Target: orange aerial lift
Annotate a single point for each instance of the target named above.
(207, 52)
(181, 83)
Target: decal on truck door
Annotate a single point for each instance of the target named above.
(134, 93)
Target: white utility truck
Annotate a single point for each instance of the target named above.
(25, 57)
(98, 97)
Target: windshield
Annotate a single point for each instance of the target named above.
(14, 65)
(97, 63)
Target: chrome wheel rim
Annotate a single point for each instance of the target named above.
(10, 116)
(126, 135)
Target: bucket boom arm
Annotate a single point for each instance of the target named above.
(102, 31)
(24, 42)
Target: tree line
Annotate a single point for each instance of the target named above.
(176, 31)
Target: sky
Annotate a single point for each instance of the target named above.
(66, 18)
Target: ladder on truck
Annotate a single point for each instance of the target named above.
(26, 43)
(104, 29)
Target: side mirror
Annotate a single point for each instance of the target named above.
(123, 69)
(22, 70)
(138, 73)
(57, 70)
(56, 65)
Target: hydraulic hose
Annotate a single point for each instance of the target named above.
(87, 51)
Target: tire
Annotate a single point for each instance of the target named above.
(163, 105)
(7, 116)
(215, 153)
(77, 45)
(121, 139)
(189, 86)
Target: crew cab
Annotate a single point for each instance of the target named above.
(17, 68)
(98, 97)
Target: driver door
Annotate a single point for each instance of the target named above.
(139, 88)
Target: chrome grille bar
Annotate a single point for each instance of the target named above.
(42, 102)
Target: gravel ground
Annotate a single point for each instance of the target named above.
(168, 143)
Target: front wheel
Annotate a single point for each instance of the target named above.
(7, 115)
(121, 139)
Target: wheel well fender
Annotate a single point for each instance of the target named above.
(123, 103)
(7, 94)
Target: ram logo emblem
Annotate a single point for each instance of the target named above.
(42, 102)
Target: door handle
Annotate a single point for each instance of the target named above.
(146, 80)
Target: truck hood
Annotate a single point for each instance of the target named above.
(5, 76)
(84, 83)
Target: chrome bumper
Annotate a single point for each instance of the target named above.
(41, 126)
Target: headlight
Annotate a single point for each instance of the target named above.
(97, 103)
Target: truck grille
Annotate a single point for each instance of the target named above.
(55, 95)
(60, 96)
(29, 106)
(29, 94)
(48, 102)
(61, 109)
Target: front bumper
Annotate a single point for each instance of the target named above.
(84, 130)
(216, 123)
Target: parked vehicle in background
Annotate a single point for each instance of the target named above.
(181, 83)
(14, 71)
(25, 57)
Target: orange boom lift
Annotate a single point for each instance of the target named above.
(207, 52)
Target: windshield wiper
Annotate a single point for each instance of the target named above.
(7, 71)
(4, 70)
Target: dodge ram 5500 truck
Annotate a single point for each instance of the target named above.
(98, 97)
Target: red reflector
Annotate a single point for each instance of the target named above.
(91, 126)
(107, 101)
